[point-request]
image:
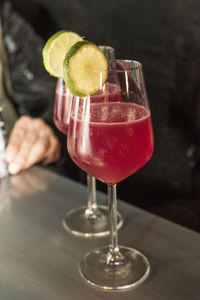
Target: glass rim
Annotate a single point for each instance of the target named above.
(106, 47)
(133, 65)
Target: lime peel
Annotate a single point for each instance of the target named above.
(55, 49)
(85, 69)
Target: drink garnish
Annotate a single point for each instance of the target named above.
(55, 50)
(85, 69)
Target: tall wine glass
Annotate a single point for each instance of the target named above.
(111, 141)
(92, 219)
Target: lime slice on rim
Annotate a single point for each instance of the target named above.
(85, 69)
(55, 49)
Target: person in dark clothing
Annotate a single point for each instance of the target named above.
(26, 94)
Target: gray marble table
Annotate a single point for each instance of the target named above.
(40, 260)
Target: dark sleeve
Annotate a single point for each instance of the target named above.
(32, 87)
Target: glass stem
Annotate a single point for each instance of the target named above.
(114, 256)
(91, 191)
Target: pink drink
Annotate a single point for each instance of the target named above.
(117, 142)
(63, 101)
(109, 93)
(62, 108)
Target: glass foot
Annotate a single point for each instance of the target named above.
(130, 272)
(80, 222)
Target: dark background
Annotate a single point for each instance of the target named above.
(165, 37)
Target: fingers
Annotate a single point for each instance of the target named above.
(54, 151)
(16, 138)
(31, 141)
(47, 149)
(27, 145)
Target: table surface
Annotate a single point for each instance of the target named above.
(40, 260)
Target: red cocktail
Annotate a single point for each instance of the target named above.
(111, 137)
(90, 220)
(63, 102)
(62, 107)
(120, 140)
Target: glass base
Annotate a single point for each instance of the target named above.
(132, 270)
(78, 222)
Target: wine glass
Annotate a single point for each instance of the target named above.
(92, 219)
(111, 141)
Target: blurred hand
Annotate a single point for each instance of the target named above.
(31, 141)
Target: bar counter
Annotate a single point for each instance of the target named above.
(40, 260)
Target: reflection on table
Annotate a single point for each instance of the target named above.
(40, 260)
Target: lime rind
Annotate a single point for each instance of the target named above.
(83, 66)
(55, 49)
